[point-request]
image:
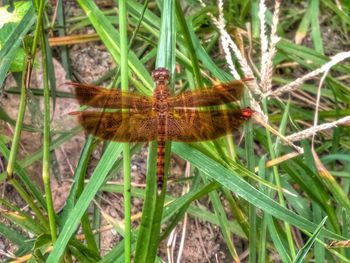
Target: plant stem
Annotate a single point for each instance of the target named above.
(126, 146)
(46, 145)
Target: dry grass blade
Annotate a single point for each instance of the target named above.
(315, 129)
(72, 40)
(280, 160)
(296, 83)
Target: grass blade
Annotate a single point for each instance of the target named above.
(232, 181)
(305, 249)
(103, 168)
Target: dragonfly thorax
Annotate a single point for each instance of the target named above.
(161, 106)
(161, 96)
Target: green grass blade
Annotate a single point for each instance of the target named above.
(189, 46)
(126, 147)
(263, 233)
(249, 153)
(111, 39)
(276, 176)
(103, 168)
(341, 13)
(13, 235)
(319, 250)
(303, 27)
(61, 32)
(22, 219)
(76, 191)
(305, 249)
(24, 176)
(232, 181)
(47, 140)
(315, 26)
(278, 244)
(224, 226)
(149, 207)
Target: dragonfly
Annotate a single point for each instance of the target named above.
(161, 117)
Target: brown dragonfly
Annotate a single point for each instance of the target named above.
(161, 117)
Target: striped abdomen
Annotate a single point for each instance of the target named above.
(160, 163)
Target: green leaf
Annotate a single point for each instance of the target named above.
(9, 47)
(15, 16)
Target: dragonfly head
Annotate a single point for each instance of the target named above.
(161, 75)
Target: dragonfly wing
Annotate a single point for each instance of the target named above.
(194, 125)
(100, 97)
(216, 95)
(119, 126)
